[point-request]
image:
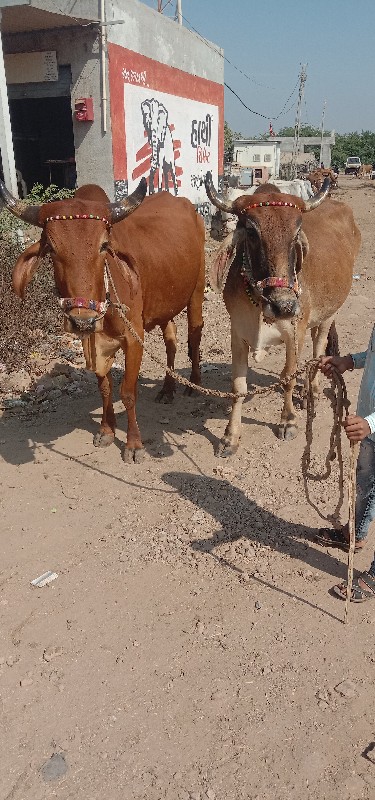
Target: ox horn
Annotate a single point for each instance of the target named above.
(315, 201)
(19, 208)
(121, 210)
(215, 198)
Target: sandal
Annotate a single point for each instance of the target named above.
(334, 537)
(359, 595)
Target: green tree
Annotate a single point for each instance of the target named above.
(305, 130)
(229, 136)
(228, 143)
(354, 144)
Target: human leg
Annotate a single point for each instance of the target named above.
(365, 503)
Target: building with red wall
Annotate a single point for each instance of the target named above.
(110, 100)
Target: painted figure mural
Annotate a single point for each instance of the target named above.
(162, 166)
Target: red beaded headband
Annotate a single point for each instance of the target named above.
(78, 216)
(273, 203)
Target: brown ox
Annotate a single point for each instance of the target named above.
(365, 171)
(151, 261)
(286, 268)
(318, 177)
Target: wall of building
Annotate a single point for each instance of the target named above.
(167, 105)
(149, 59)
(258, 154)
(165, 126)
(77, 47)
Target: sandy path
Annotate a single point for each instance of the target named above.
(190, 648)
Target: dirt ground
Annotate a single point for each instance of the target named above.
(190, 647)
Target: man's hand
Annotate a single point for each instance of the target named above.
(356, 428)
(342, 363)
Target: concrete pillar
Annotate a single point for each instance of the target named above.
(326, 154)
(6, 141)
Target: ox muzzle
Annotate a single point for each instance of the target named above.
(280, 305)
(83, 317)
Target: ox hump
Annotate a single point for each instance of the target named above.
(93, 192)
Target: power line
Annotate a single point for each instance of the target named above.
(252, 80)
(217, 51)
(297, 125)
(257, 113)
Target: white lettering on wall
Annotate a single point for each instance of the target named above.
(131, 76)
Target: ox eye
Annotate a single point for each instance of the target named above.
(251, 232)
(104, 247)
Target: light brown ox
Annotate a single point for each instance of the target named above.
(156, 259)
(318, 177)
(276, 252)
(365, 171)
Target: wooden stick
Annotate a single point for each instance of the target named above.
(351, 497)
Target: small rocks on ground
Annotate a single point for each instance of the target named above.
(54, 768)
(52, 652)
(347, 689)
(24, 682)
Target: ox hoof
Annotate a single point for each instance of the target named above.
(133, 454)
(226, 449)
(165, 396)
(287, 432)
(103, 439)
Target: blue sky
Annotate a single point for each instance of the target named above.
(270, 40)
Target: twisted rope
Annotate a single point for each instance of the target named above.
(252, 391)
(351, 497)
(340, 406)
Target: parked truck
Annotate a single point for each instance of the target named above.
(352, 165)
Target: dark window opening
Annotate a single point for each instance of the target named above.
(43, 141)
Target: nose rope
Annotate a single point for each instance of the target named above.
(255, 287)
(67, 304)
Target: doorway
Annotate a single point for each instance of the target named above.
(42, 130)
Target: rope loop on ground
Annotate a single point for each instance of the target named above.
(340, 407)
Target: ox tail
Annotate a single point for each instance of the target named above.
(333, 348)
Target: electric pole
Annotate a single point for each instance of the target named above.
(322, 133)
(162, 4)
(297, 124)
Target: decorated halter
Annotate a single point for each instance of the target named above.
(250, 284)
(272, 203)
(77, 216)
(67, 304)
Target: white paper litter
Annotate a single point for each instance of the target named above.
(47, 577)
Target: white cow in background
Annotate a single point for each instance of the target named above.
(222, 222)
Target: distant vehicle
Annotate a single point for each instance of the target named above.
(352, 165)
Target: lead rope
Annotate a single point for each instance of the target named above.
(340, 404)
(254, 390)
(351, 497)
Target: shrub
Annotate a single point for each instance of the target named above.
(25, 326)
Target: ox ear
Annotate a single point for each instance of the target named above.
(26, 267)
(302, 248)
(225, 257)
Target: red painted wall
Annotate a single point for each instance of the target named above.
(128, 67)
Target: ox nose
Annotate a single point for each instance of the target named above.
(282, 307)
(82, 325)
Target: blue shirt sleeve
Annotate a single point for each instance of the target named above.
(371, 421)
(359, 359)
